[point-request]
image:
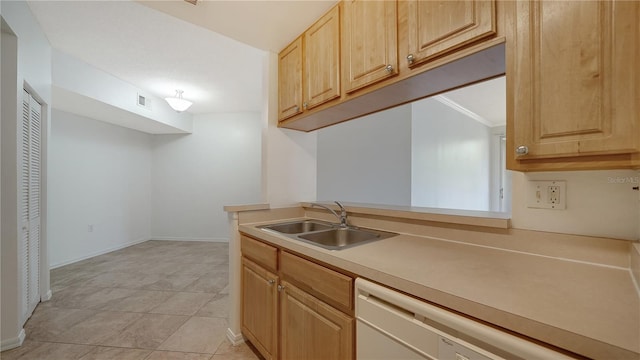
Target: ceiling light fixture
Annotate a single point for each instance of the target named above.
(177, 103)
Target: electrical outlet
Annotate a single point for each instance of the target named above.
(547, 194)
(554, 194)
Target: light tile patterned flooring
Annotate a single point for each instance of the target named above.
(158, 300)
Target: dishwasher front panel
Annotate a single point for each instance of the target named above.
(391, 325)
(373, 344)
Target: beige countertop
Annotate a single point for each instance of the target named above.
(589, 309)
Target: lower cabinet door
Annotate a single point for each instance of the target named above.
(260, 308)
(311, 329)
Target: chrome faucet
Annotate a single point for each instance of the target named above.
(343, 213)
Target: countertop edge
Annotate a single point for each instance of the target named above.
(247, 207)
(460, 217)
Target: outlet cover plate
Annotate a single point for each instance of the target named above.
(548, 194)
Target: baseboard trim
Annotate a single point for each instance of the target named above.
(98, 253)
(46, 296)
(173, 238)
(13, 343)
(235, 339)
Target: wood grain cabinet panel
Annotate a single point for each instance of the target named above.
(369, 42)
(294, 320)
(263, 254)
(312, 329)
(290, 80)
(572, 80)
(330, 286)
(322, 60)
(260, 308)
(436, 28)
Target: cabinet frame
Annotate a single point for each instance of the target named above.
(264, 339)
(479, 23)
(336, 317)
(321, 81)
(410, 83)
(360, 56)
(337, 326)
(604, 130)
(290, 80)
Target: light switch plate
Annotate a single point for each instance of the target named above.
(550, 194)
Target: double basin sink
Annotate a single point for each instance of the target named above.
(327, 235)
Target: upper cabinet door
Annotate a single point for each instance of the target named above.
(572, 79)
(322, 60)
(290, 80)
(370, 42)
(439, 27)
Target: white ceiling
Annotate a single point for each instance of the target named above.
(157, 52)
(485, 101)
(193, 49)
(264, 24)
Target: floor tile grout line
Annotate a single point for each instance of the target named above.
(78, 277)
(141, 312)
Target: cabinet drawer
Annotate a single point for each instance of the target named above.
(328, 285)
(259, 252)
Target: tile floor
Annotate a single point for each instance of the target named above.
(158, 300)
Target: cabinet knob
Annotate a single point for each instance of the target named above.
(410, 59)
(522, 150)
(389, 68)
(280, 287)
(304, 105)
(271, 281)
(296, 108)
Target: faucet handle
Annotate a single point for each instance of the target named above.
(343, 215)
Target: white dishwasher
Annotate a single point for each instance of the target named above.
(391, 325)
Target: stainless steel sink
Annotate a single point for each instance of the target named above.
(341, 238)
(299, 227)
(327, 235)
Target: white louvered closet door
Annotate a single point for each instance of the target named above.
(30, 203)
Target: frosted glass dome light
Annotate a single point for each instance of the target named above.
(178, 103)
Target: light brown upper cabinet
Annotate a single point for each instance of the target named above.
(354, 57)
(322, 60)
(290, 80)
(435, 28)
(369, 42)
(573, 85)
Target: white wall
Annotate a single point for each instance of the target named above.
(596, 205)
(195, 175)
(367, 160)
(451, 158)
(599, 203)
(422, 154)
(289, 156)
(10, 329)
(100, 177)
(28, 57)
(500, 177)
(131, 186)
